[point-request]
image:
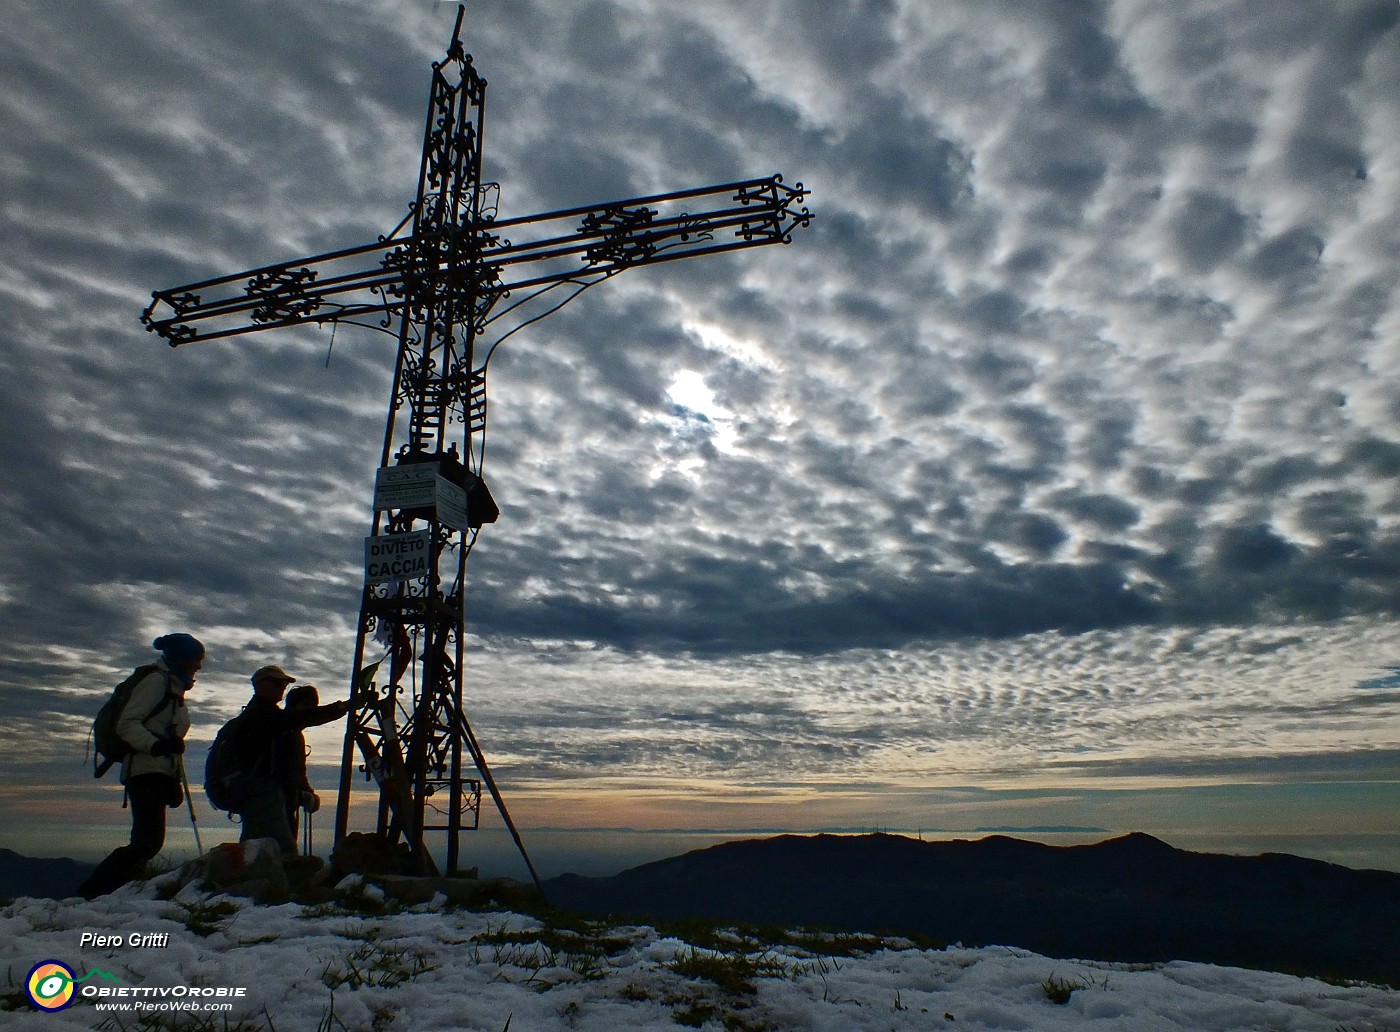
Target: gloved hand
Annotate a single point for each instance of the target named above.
(168, 747)
(310, 802)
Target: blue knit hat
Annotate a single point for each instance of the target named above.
(179, 648)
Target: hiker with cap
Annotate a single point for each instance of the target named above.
(154, 723)
(267, 736)
(297, 752)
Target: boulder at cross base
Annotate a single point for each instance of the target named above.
(370, 853)
(252, 868)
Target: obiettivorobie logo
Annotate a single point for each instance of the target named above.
(50, 984)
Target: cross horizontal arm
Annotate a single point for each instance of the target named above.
(480, 261)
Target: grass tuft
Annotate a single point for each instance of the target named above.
(203, 919)
(1059, 990)
(374, 964)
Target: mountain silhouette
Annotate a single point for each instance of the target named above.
(40, 877)
(1132, 899)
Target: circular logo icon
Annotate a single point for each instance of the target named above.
(50, 985)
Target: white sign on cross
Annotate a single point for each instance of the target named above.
(397, 557)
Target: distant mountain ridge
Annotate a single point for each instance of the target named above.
(40, 877)
(1133, 899)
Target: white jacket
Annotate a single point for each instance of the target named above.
(141, 728)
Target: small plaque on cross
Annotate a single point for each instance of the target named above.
(412, 486)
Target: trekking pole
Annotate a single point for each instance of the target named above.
(189, 801)
(305, 832)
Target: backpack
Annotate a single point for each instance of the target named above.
(110, 746)
(225, 770)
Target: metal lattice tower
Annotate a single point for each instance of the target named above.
(451, 282)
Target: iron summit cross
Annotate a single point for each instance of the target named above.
(450, 281)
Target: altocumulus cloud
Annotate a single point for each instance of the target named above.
(1094, 334)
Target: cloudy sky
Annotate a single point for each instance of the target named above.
(1049, 477)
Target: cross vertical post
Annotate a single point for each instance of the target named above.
(446, 293)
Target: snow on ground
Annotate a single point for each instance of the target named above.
(354, 967)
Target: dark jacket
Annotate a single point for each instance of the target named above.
(270, 738)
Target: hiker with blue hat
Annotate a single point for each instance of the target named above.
(153, 723)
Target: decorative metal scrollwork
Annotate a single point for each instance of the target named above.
(181, 302)
(283, 295)
(693, 227)
(623, 241)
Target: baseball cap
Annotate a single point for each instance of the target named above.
(271, 673)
